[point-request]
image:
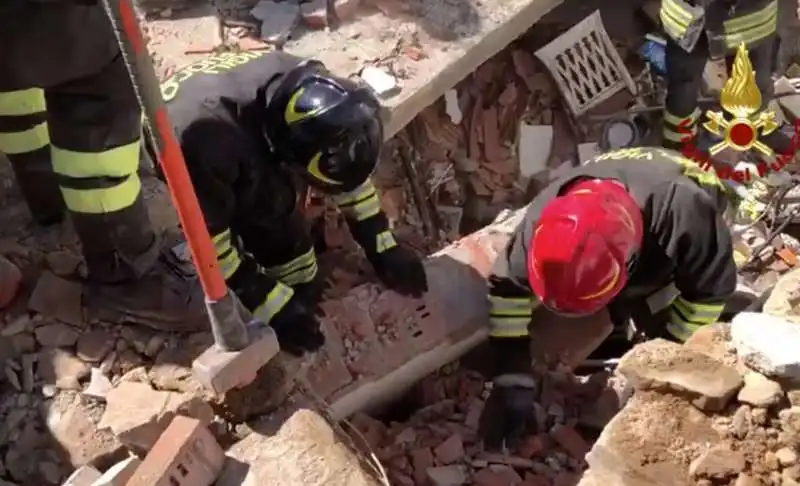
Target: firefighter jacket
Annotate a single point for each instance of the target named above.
(726, 23)
(216, 108)
(685, 242)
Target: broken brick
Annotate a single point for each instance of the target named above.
(186, 454)
(571, 441)
(421, 460)
(373, 430)
(496, 476)
(533, 445)
(535, 480)
(450, 450)
(10, 279)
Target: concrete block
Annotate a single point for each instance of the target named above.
(767, 344)
(220, 371)
(83, 476)
(120, 473)
(186, 454)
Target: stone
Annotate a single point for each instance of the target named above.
(72, 422)
(56, 335)
(57, 298)
(447, 475)
(373, 430)
(99, 385)
(450, 450)
(61, 368)
(571, 441)
(713, 341)
(83, 476)
(496, 476)
(119, 473)
(62, 263)
(759, 391)
(786, 456)
(302, 449)
(137, 414)
(747, 480)
(767, 344)
(17, 325)
(782, 301)
(421, 461)
(719, 462)
(94, 345)
(10, 280)
(661, 364)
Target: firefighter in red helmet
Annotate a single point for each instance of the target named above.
(613, 234)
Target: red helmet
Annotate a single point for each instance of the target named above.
(577, 261)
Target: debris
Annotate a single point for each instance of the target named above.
(99, 385)
(452, 107)
(450, 450)
(571, 441)
(120, 473)
(58, 298)
(384, 85)
(660, 363)
(10, 279)
(278, 19)
(94, 345)
(447, 475)
(61, 368)
(72, 421)
(767, 344)
(759, 391)
(83, 476)
(719, 462)
(56, 335)
(535, 144)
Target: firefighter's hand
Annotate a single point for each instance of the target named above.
(297, 329)
(401, 270)
(508, 414)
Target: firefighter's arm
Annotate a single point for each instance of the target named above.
(398, 267)
(698, 241)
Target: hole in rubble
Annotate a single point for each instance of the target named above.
(417, 334)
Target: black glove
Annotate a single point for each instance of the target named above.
(401, 270)
(297, 329)
(508, 414)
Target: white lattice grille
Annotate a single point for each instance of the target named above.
(585, 66)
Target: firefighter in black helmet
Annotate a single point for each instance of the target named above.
(247, 123)
(701, 29)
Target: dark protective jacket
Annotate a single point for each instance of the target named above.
(685, 242)
(726, 23)
(216, 106)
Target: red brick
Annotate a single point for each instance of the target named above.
(186, 454)
(496, 476)
(373, 431)
(571, 441)
(534, 445)
(421, 460)
(450, 450)
(535, 480)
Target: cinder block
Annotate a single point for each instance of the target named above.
(120, 473)
(83, 476)
(186, 454)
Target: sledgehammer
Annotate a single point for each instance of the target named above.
(242, 345)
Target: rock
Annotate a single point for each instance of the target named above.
(713, 341)
(58, 298)
(373, 430)
(660, 364)
(50, 472)
(99, 385)
(760, 391)
(56, 335)
(782, 301)
(496, 476)
(72, 422)
(301, 450)
(719, 462)
(740, 422)
(786, 456)
(10, 279)
(571, 441)
(17, 325)
(747, 480)
(767, 344)
(421, 461)
(62, 263)
(794, 397)
(119, 473)
(447, 475)
(137, 414)
(450, 450)
(94, 345)
(83, 476)
(60, 368)
(23, 342)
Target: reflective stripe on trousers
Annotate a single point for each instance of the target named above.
(680, 130)
(227, 255)
(384, 241)
(361, 203)
(35, 136)
(687, 317)
(509, 316)
(300, 270)
(276, 299)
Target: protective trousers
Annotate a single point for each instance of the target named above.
(70, 124)
(684, 82)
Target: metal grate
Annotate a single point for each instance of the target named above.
(585, 65)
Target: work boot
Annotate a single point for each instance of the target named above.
(130, 278)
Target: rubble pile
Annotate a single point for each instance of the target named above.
(722, 409)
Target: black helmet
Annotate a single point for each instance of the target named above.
(326, 127)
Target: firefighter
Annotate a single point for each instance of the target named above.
(253, 126)
(726, 25)
(70, 125)
(615, 233)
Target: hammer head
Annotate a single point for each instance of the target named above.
(221, 371)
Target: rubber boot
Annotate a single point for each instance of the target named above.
(130, 279)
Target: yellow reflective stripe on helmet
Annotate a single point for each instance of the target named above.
(22, 102)
(277, 298)
(384, 241)
(685, 120)
(291, 115)
(227, 255)
(299, 270)
(25, 141)
(314, 170)
(510, 316)
(115, 162)
(103, 200)
(361, 203)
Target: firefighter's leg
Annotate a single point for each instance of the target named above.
(684, 80)
(94, 130)
(25, 140)
(763, 60)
